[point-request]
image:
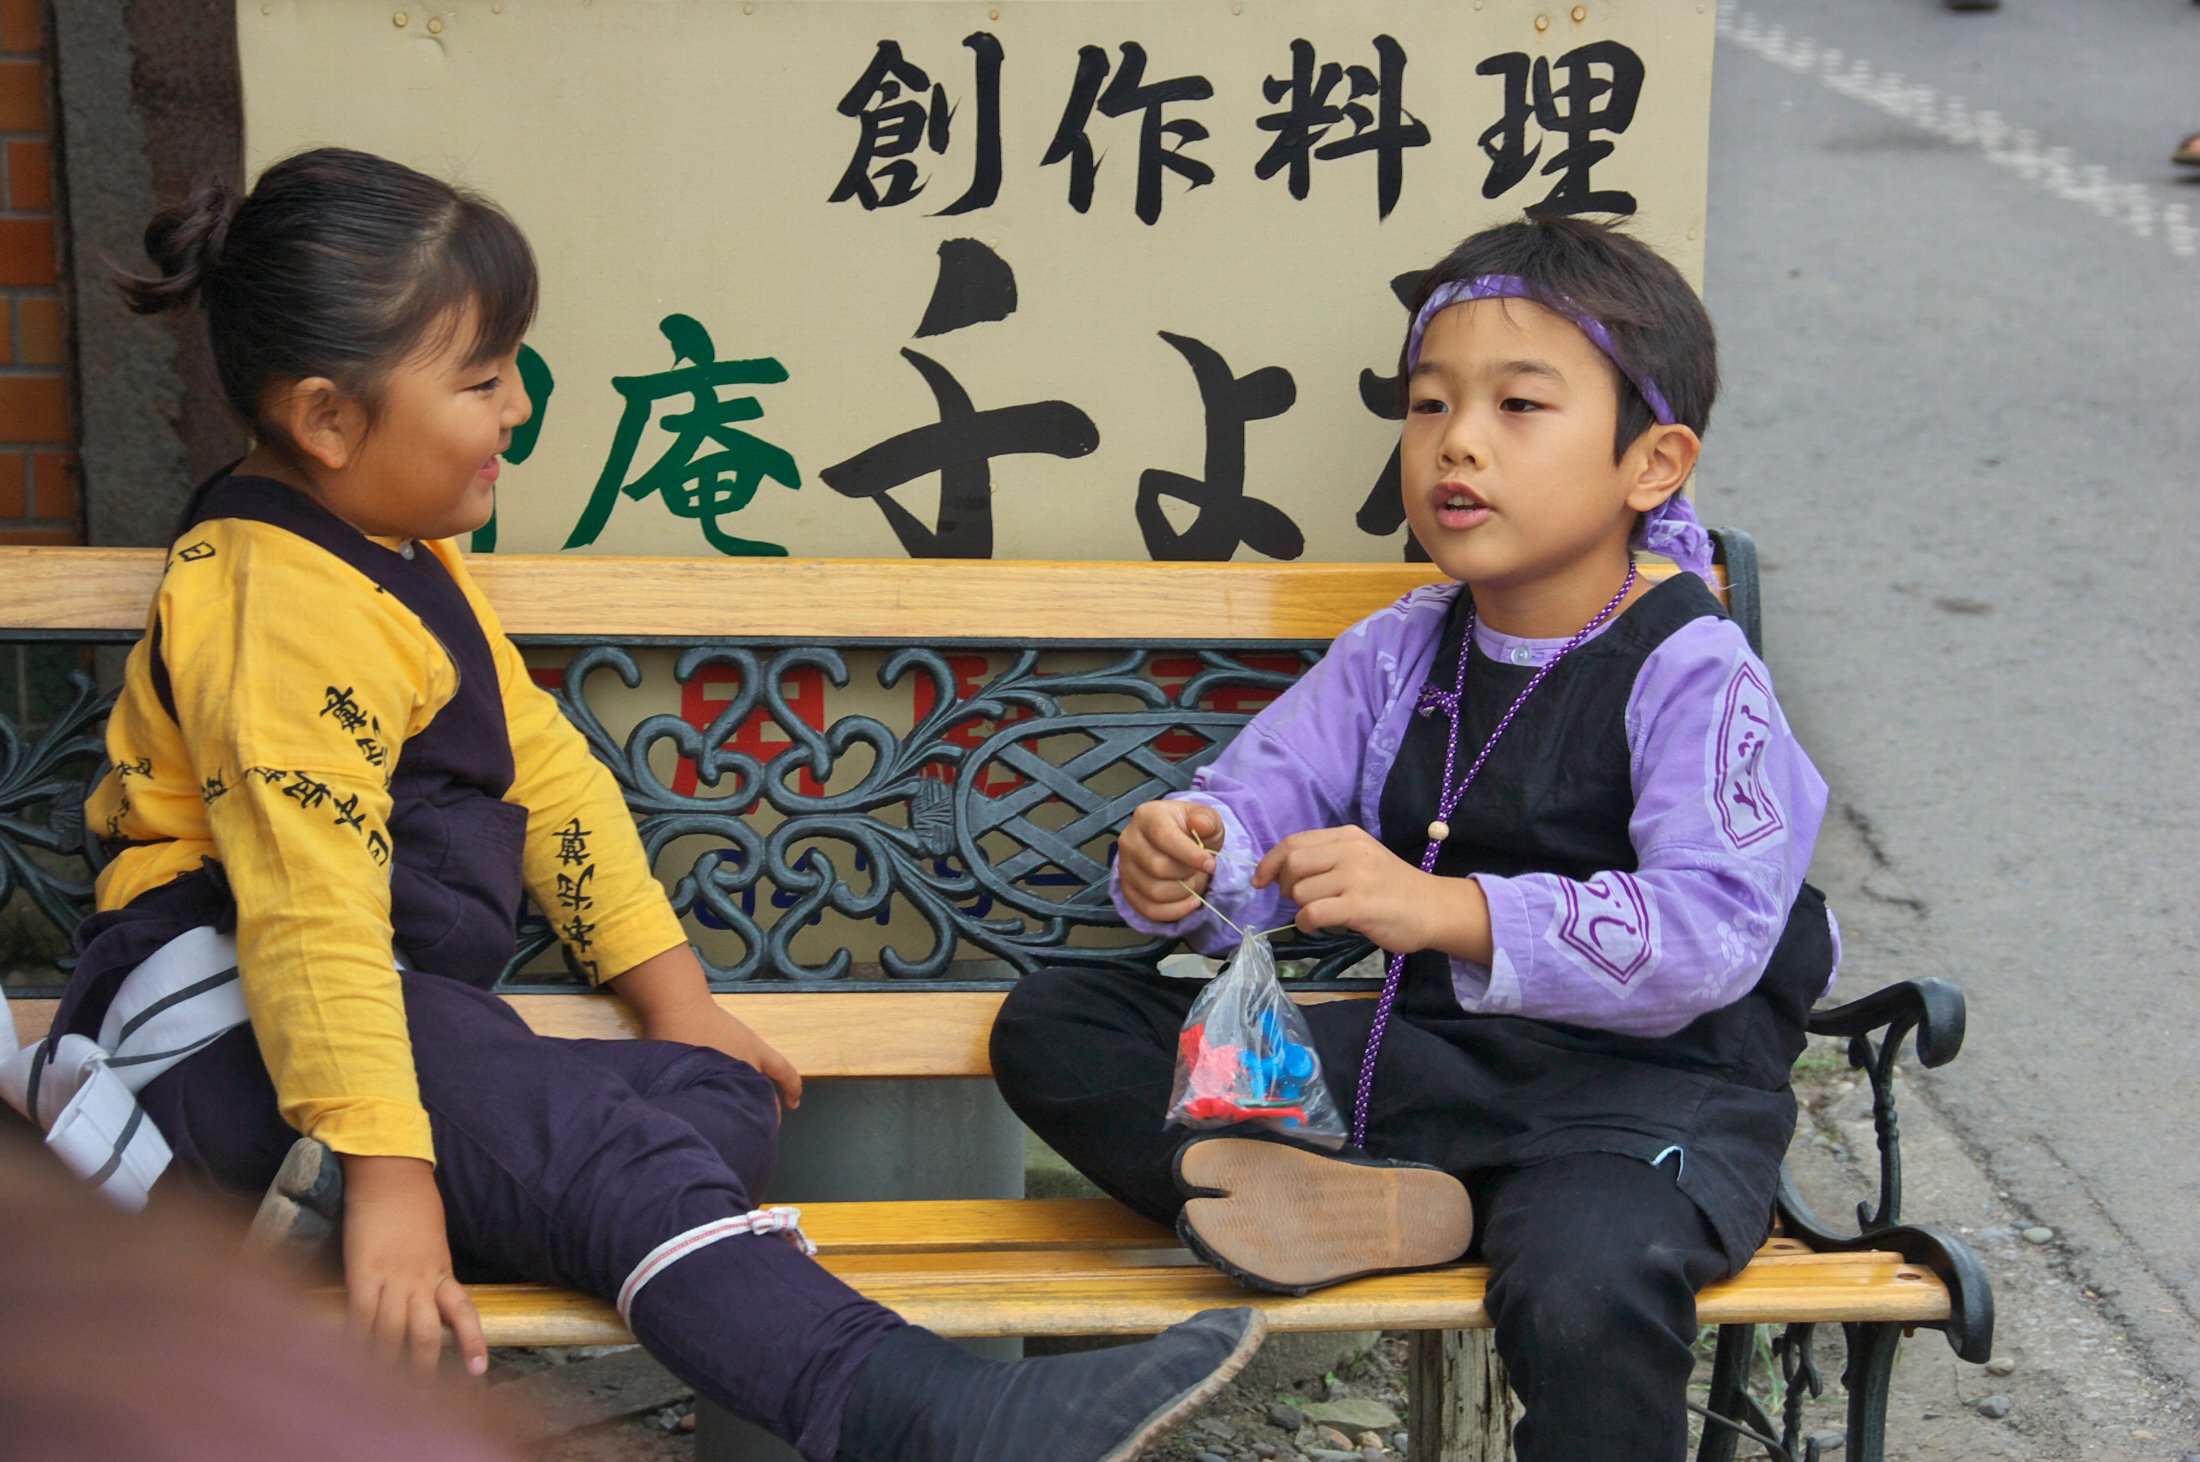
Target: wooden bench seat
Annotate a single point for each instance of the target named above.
(1184, 654)
(1088, 1266)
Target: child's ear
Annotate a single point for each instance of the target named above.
(1665, 456)
(321, 420)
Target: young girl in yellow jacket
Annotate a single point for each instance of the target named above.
(332, 780)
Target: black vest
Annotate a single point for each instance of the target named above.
(1556, 797)
(455, 846)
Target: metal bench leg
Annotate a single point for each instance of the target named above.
(1729, 1384)
(1459, 1405)
(1869, 1376)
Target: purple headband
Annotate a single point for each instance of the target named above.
(1672, 528)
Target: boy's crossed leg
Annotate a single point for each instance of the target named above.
(1595, 1258)
(1086, 1060)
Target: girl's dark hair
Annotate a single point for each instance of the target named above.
(1657, 323)
(339, 264)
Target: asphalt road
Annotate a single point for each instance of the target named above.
(1959, 309)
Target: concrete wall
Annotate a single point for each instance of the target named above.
(149, 104)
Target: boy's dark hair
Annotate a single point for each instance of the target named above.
(340, 264)
(1657, 323)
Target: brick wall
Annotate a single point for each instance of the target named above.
(39, 501)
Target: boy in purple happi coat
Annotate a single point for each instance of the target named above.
(1567, 802)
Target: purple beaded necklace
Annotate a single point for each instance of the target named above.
(1439, 828)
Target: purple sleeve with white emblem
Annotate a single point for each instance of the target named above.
(1727, 808)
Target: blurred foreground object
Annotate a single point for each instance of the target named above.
(152, 1339)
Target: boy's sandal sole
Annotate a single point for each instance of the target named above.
(1175, 1411)
(1290, 1221)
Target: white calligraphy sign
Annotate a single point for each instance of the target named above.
(1039, 278)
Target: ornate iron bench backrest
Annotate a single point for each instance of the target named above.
(978, 835)
(989, 819)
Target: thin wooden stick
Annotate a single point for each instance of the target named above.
(1225, 918)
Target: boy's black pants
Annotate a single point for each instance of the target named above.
(1595, 1258)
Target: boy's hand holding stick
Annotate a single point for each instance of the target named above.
(1167, 856)
(1345, 878)
(1340, 878)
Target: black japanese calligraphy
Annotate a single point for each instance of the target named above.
(975, 286)
(575, 932)
(212, 788)
(1384, 512)
(1129, 92)
(1226, 516)
(1600, 87)
(308, 792)
(962, 444)
(341, 705)
(1384, 128)
(573, 889)
(894, 124)
(573, 844)
(960, 447)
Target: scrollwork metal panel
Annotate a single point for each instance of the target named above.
(42, 787)
(978, 834)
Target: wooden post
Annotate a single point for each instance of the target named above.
(1459, 1406)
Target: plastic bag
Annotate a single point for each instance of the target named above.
(1246, 1055)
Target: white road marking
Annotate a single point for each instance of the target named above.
(2139, 208)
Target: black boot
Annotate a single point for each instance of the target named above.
(924, 1399)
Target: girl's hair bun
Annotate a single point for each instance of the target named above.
(340, 264)
(185, 244)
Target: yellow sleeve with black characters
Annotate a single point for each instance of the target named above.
(585, 866)
(295, 683)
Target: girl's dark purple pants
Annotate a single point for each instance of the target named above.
(567, 1161)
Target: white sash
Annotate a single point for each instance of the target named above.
(83, 1093)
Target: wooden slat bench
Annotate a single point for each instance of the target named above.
(936, 838)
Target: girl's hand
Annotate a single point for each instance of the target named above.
(1343, 877)
(673, 999)
(707, 1023)
(1166, 846)
(397, 1265)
